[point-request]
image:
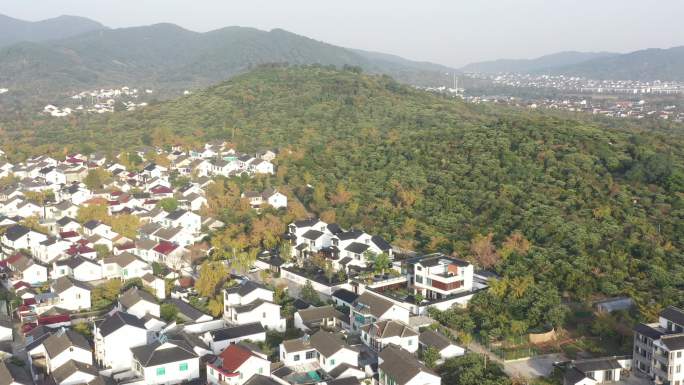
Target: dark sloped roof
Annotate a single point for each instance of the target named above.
(245, 288)
(251, 306)
(134, 295)
(345, 295)
(674, 342)
(327, 343)
(176, 214)
(390, 328)
(344, 381)
(13, 374)
(318, 313)
(351, 234)
(378, 306)
(593, 365)
(71, 367)
(573, 376)
(434, 339)
(648, 331)
(237, 331)
(400, 364)
(185, 309)
(63, 340)
(64, 283)
(357, 247)
(159, 353)
(381, 243)
(339, 369)
(673, 314)
(306, 222)
(312, 234)
(118, 320)
(16, 231)
(259, 379)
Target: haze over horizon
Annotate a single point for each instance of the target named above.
(444, 32)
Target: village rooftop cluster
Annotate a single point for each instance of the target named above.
(100, 101)
(369, 331)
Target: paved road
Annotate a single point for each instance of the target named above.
(539, 366)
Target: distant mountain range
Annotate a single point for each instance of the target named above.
(14, 30)
(542, 63)
(649, 64)
(167, 56)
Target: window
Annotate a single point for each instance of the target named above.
(263, 315)
(296, 357)
(161, 371)
(410, 342)
(311, 354)
(419, 279)
(332, 362)
(183, 367)
(260, 371)
(419, 268)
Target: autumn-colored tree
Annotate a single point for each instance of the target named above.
(266, 231)
(215, 305)
(96, 178)
(33, 223)
(211, 274)
(341, 196)
(92, 212)
(514, 243)
(125, 224)
(483, 250)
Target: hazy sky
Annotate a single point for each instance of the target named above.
(451, 32)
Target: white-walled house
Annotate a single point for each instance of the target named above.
(77, 267)
(20, 237)
(139, 303)
(326, 317)
(166, 362)
(236, 365)
(74, 373)
(437, 276)
(251, 302)
(73, 295)
(399, 367)
(185, 219)
(382, 333)
(369, 308)
(663, 340)
(218, 340)
(66, 345)
(114, 337)
(324, 348)
(430, 338)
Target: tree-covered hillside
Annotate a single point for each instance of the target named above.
(602, 208)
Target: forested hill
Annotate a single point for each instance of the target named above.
(603, 208)
(170, 59)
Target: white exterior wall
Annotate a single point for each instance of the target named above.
(342, 356)
(267, 314)
(425, 379)
(78, 354)
(115, 350)
(173, 374)
(87, 272)
(143, 308)
(5, 334)
(35, 274)
(288, 358)
(74, 298)
(77, 379)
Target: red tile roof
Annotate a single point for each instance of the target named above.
(69, 234)
(165, 247)
(161, 190)
(234, 356)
